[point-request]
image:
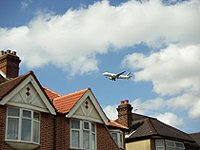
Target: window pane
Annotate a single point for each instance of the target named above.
(93, 141)
(121, 140)
(160, 148)
(75, 138)
(27, 113)
(86, 125)
(36, 116)
(36, 132)
(75, 124)
(26, 130)
(114, 136)
(93, 128)
(86, 140)
(12, 128)
(13, 111)
(159, 142)
(170, 143)
(170, 148)
(180, 145)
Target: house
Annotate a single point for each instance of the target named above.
(147, 133)
(35, 117)
(196, 137)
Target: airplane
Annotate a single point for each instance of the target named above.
(113, 76)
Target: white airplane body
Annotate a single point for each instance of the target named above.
(113, 76)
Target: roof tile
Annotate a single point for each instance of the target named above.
(65, 103)
(8, 86)
(51, 94)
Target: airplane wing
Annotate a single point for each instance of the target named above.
(120, 74)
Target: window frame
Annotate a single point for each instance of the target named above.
(81, 131)
(20, 119)
(120, 135)
(166, 144)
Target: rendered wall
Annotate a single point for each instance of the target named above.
(139, 145)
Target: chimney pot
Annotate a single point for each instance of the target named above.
(14, 53)
(8, 51)
(126, 102)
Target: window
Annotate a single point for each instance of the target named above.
(117, 136)
(162, 144)
(174, 145)
(83, 134)
(22, 125)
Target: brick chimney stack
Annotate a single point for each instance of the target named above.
(9, 63)
(124, 113)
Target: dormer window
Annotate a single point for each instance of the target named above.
(22, 126)
(83, 135)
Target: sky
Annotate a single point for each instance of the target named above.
(69, 44)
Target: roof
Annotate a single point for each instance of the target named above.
(8, 86)
(2, 79)
(51, 94)
(65, 103)
(196, 137)
(116, 125)
(144, 126)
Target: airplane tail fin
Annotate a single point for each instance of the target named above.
(129, 74)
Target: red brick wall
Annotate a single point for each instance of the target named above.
(46, 132)
(3, 144)
(62, 133)
(104, 139)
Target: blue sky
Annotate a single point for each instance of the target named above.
(69, 44)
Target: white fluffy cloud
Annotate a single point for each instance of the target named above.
(72, 40)
(171, 119)
(171, 70)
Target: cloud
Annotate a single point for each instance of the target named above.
(25, 3)
(171, 70)
(72, 41)
(171, 119)
(195, 111)
(111, 111)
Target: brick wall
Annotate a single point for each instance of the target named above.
(3, 144)
(46, 132)
(62, 133)
(104, 139)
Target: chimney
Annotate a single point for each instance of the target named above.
(124, 113)
(9, 63)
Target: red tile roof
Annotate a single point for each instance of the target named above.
(65, 103)
(51, 94)
(8, 86)
(116, 125)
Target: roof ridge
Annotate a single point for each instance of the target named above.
(149, 121)
(117, 124)
(194, 133)
(51, 91)
(86, 89)
(11, 80)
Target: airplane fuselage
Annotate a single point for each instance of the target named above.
(113, 76)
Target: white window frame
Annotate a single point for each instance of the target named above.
(81, 130)
(174, 145)
(166, 144)
(119, 135)
(20, 118)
